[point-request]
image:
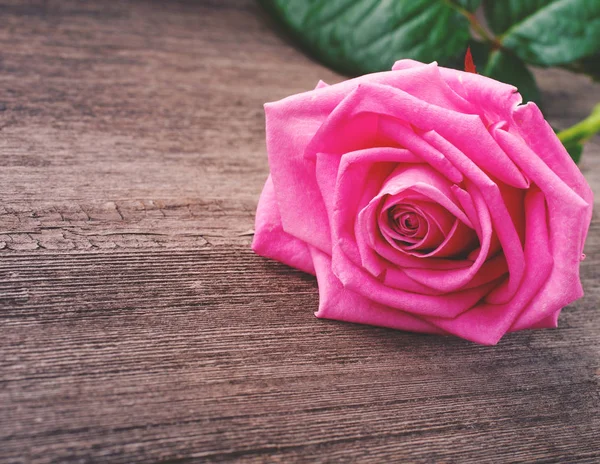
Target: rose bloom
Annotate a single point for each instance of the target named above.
(425, 199)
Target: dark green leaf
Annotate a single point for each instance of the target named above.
(558, 33)
(506, 67)
(502, 14)
(360, 36)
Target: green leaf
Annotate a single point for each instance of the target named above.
(361, 36)
(502, 14)
(506, 67)
(557, 33)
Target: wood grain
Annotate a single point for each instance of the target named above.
(137, 326)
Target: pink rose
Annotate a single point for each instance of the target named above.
(425, 199)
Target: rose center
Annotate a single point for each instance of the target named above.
(409, 221)
(406, 222)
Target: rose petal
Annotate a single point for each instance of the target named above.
(555, 189)
(459, 240)
(424, 84)
(271, 241)
(467, 131)
(549, 322)
(373, 165)
(370, 242)
(427, 183)
(540, 137)
(565, 208)
(296, 189)
(497, 98)
(349, 233)
(355, 278)
(434, 221)
(339, 303)
(394, 129)
(417, 185)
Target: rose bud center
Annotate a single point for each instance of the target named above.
(407, 222)
(410, 221)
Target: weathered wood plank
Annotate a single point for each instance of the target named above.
(136, 125)
(152, 355)
(138, 326)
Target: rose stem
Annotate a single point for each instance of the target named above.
(583, 130)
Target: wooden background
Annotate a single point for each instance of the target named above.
(137, 325)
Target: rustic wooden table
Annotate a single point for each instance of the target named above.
(136, 323)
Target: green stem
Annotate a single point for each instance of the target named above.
(582, 131)
(481, 31)
(475, 25)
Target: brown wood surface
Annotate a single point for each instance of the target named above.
(137, 325)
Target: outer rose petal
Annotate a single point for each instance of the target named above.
(485, 95)
(336, 302)
(540, 137)
(549, 322)
(569, 217)
(271, 241)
